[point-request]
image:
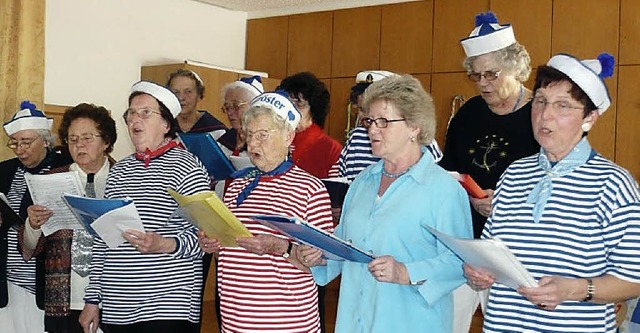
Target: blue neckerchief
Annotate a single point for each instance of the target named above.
(635, 317)
(251, 172)
(542, 190)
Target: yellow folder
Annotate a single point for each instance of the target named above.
(207, 212)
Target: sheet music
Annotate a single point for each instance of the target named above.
(47, 190)
(490, 255)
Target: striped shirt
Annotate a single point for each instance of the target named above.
(19, 272)
(267, 293)
(135, 287)
(590, 227)
(356, 154)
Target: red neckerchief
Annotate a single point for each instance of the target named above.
(148, 154)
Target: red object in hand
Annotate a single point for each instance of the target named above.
(470, 185)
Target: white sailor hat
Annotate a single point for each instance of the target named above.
(162, 94)
(487, 36)
(588, 75)
(279, 102)
(253, 82)
(28, 118)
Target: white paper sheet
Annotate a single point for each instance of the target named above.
(47, 190)
(110, 225)
(490, 255)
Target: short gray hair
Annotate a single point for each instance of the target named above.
(47, 137)
(249, 93)
(513, 58)
(410, 99)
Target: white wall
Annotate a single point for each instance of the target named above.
(94, 48)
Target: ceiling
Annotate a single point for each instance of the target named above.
(267, 8)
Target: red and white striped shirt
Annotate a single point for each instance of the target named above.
(267, 293)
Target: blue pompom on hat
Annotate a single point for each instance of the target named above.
(162, 94)
(279, 102)
(588, 75)
(254, 82)
(28, 118)
(487, 36)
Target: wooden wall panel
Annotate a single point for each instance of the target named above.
(585, 28)
(56, 112)
(213, 80)
(444, 87)
(356, 41)
(629, 32)
(628, 117)
(603, 135)
(340, 91)
(264, 52)
(530, 26)
(158, 74)
(270, 84)
(406, 41)
(309, 47)
(453, 20)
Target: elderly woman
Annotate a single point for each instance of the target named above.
(356, 154)
(262, 286)
(152, 282)
(31, 140)
(409, 284)
(490, 130)
(89, 133)
(567, 213)
(189, 88)
(235, 101)
(313, 150)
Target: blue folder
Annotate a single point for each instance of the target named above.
(207, 150)
(300, 230)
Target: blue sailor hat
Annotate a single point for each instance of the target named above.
(487, 36)
(28, 118)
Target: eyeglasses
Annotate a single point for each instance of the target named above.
(74, 140)
(24, 144)
(540, 103)
(235, 106)
(300, 103)
(488, 75)
(380, 122)
(144, 113)
(260, 135)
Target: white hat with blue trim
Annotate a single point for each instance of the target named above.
(28, 118)
(589, 75)
(279, 102)
(488, 36)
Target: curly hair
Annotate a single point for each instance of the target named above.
(310, 88)
(105, 124)
(409, 98)
(514, 58)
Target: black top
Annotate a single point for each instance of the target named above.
(483, 144)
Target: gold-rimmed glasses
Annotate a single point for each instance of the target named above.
(143, 113)
(24, 143)
(235, 106)
(562, 107)
(488, 75)
(73, 140)
(260, 135)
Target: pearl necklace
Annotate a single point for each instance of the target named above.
(394, 175)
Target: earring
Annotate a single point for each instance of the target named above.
(413, 139)
(585, 127)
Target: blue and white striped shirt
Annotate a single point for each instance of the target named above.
(590, 227)
(133, 286)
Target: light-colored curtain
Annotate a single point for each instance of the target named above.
(21, 58)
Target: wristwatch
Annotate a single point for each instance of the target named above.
(287, 254)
